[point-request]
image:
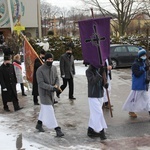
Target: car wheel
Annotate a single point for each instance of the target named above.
(114, 63)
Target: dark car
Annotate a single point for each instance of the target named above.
(123, 55)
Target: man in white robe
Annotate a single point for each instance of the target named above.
(48, 83)
(97, 122)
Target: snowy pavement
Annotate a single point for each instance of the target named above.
(122, 133)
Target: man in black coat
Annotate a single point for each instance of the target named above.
(8, 82)
(67, 70)
(37, 64)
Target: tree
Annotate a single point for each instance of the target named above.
(48, 14)
(121, 11)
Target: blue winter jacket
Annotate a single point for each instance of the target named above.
(139, 75)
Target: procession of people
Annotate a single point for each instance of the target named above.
(48, 84)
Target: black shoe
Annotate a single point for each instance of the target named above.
(72, 98)
(58, 132)
(149, 112)
(19, 108)
(102, 135)
(39, 127)
(58, 94)
(36, 103)
(55, 102)
(24, 94)
(92, 133)
(7, 109)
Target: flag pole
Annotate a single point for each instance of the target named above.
(38, 57)
(105, 79)
(31, 47)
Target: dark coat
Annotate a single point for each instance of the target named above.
(95, 82)
(8, 80)
(37, 64)
(67, 66)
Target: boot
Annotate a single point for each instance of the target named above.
(102, 135)
(92, 133)
(58, 132)
(58, 94)
(39, 126)
(55, 102)
(133, 114)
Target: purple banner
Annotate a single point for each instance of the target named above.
(95, 40)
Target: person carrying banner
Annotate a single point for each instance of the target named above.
(67, 70)
(8, 82)
(138, 99)
(37, 64)
(48, 83)
(97, 122)
(18, 71)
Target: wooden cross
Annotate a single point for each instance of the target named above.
(95, 40)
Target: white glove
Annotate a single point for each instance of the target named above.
(4, 89)
(63, 76)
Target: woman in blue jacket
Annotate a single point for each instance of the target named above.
(138, 99)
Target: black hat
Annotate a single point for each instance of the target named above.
(48, 55)
(7, 51)
(6, 57)
(42, 52)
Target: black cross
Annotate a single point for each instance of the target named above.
(95, 40)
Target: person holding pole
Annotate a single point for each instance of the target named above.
(37, 63)
(48, 83)
(97, 122)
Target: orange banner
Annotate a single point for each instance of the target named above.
(29, 56)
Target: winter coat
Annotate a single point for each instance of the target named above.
(67, 66)
(47, 77)
(139, 75)
(18, 71)
(8, 80)
(95, 86)
(37, 64)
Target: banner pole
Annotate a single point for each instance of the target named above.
(104, 78)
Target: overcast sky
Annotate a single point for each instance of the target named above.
(74, 3)
(65, 3)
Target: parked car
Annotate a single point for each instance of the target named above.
(123, 55)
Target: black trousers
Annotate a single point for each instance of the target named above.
(22, 88)
(71, 86)
(35, 98)
(14, 100)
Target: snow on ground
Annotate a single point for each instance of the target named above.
(8, 137)
(8, 141)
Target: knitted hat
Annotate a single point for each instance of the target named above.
(48, 55)
(141, 52)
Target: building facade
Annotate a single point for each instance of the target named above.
(24, 12)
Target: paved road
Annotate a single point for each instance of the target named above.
(123, 132)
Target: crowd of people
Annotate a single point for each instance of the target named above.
(46, 83)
